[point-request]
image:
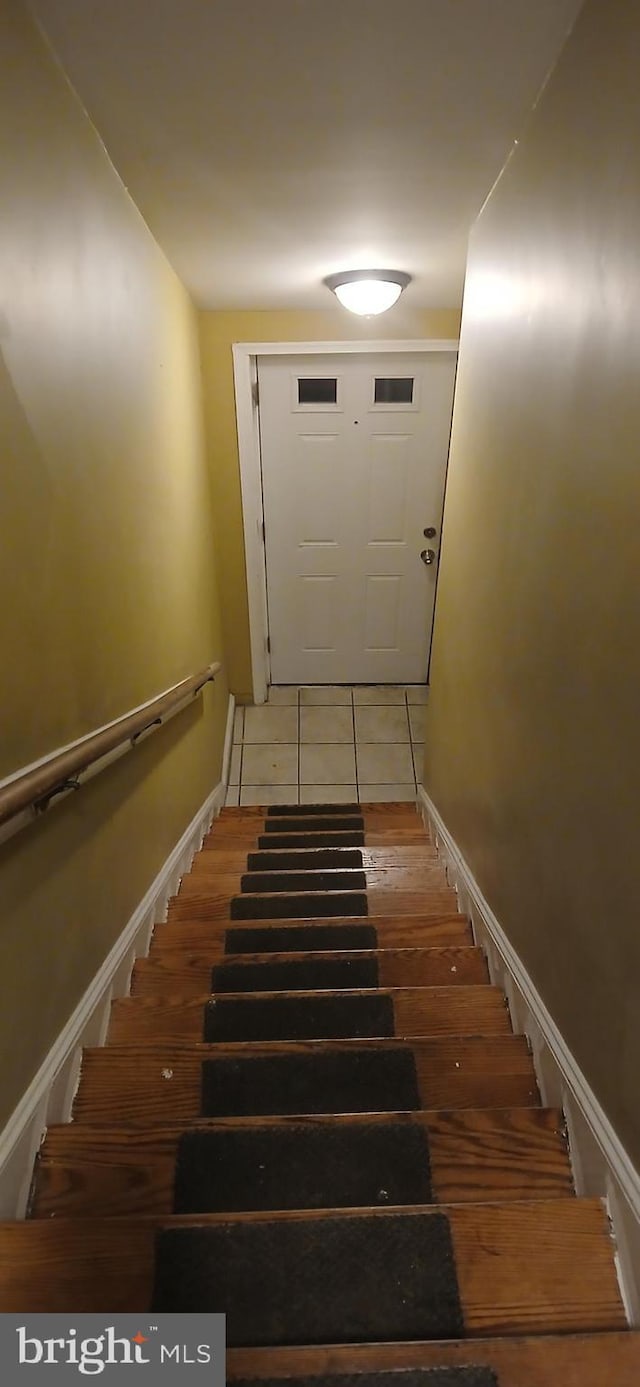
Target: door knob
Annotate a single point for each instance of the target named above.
(428, 556)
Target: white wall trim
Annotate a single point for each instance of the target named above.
(409, 344)
(244, 358)
(50, 1095)
(601, 1166)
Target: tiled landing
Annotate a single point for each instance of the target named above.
(324, 743)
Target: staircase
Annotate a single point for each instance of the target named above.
(312, 1113)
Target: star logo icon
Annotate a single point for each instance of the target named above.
(139, 1338)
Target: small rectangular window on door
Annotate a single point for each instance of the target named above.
(317, 390)
(393, 390)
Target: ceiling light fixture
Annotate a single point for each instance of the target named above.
(368, 292)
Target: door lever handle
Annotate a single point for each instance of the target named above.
(428, 556)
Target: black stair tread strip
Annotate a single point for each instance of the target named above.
(302, 1167)
(313, 1281)
(453, 1375)
(299, 938)
(311, 840)
(298, 907)
(295, 975)
(299, 1017)
(251, 882)
(344, 823)
(276, 811)
(317, 860)
(354, 1080)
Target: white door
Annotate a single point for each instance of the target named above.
(354, 452)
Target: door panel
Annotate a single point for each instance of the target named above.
(387, 481)
(381, 627)
(316, 624)
(354, 453)
(315, 487)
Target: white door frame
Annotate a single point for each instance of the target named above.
(244, 368)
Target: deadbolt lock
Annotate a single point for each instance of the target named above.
(430, 532)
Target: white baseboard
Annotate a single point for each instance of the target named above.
(50, 1095)
(601, 1166)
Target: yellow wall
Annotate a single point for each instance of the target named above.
(218, 331)
(106, 564)
(533, 733)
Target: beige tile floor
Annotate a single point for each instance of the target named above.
(337, 744)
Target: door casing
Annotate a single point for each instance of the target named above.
(244, 375)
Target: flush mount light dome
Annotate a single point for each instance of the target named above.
(368, 292)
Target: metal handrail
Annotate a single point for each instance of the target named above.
(28, 793)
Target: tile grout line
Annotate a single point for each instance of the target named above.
(298, 706)
(242, 759)
(413, 759)
(355, 747)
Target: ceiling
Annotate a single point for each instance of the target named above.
(268, 143)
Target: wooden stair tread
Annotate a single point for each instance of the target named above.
(467, 1010)
(125, 1082)
(568, 1360)
(514, 1154)
(196, 930)
(246, 839)
(429, 876)
(382, 902)
(393, 811)
(371, 817)
(187, 974)
(530, 1266)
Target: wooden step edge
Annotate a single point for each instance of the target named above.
(603, 1359)
(252, 811)
(204, 1050)
(553, 1209)
(232, 846)
(547, 1119)
(138, 1134)
(457, 992)
(198, 909)
(168, 957)
(238, 840)
(442, 917)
